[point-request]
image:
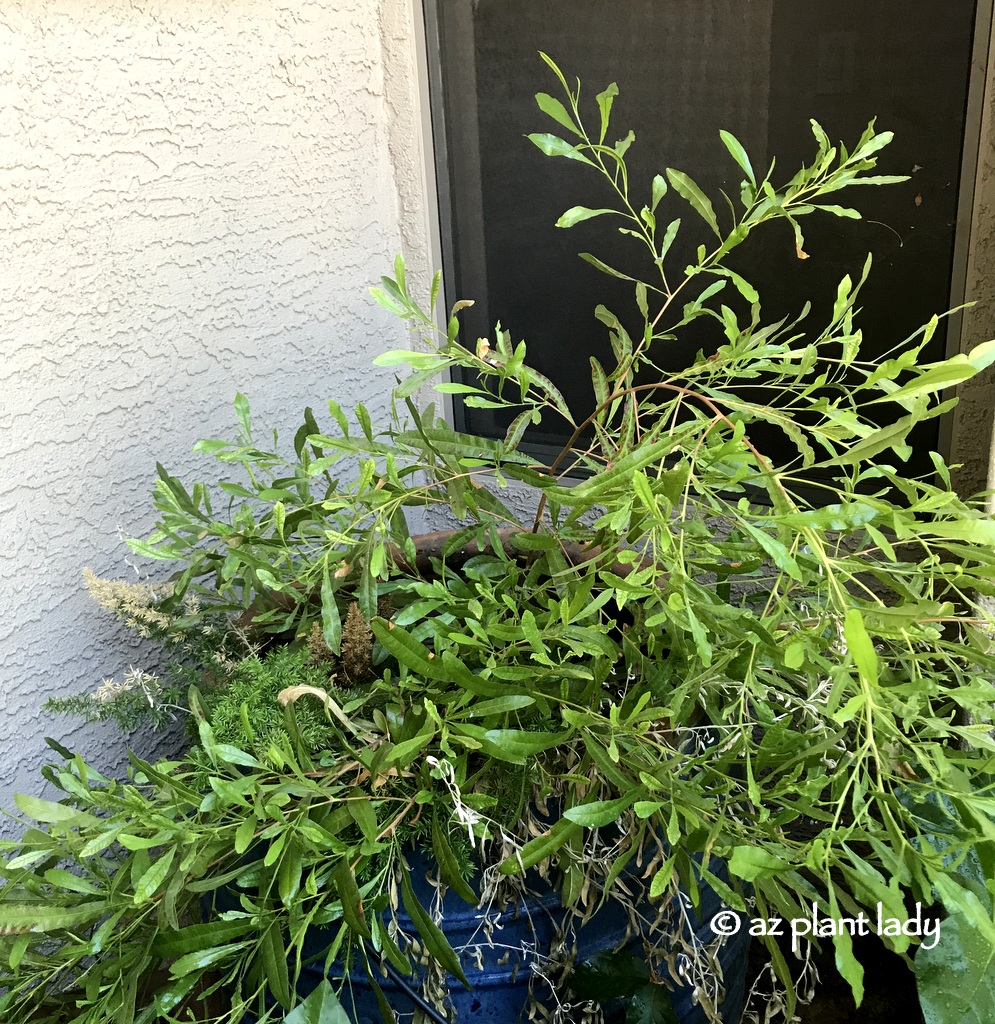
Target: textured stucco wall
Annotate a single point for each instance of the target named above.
(194, 198)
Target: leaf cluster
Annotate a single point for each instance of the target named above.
(140, 900)
(246, 710)
(776, 654)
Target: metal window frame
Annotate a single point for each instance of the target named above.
(982, 58)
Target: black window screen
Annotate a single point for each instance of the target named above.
(685, 69)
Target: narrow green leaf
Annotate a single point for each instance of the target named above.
(738, 154)
(399, 274)
(874, 141)
(498, 706)
(150, 881)
(517, 428)
(742, 285)
(321, 1007)
(331, 620)
(364, 420)
(63, 879)
(534, 541)
(436, 284)
(982, 356)
(130, 842)
(512, 745)
(552, 145)
(641, 486)
(619, 475)
(274, 849)
(964, 902)
(886, 438)
(289, 874)
(533, 635)
(447, 862)
(99, 843)
(54, 813)
(578, 213)
(603, 267)
(794, 655)
(851, 709)
(541, 848)
(605, 100)
(599, 379)
(753, 862)
(971, 531)
(880, 179)
(846, 963)
(408, 357)
(686, 188)
(385, 1009)
(352, 901)
(553, 108)
(17, 950)
(929, 381)
(362, 812)
(16, 918)
(199, 960)
(779, 554)
(388, 303)
(435, 942)
(169, 996)
(599, 813)
(61, 750)
(411, 653)
(556, 71)
(391, 950)
(242, 412)
(552, 392)
(839, 211)
(273, 964)
(860, 646)
(622, 146)
(196, 937)
(233, 755)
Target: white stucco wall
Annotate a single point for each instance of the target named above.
(194, 198)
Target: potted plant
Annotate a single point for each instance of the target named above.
(759, 673)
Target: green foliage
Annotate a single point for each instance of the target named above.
(623, 976)
(320, 1007)
(247, 711)
(774, 654)
(139, 697)
(956, 977)
(122, 930)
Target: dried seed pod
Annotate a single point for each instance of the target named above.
(321, 653)
(357, 647)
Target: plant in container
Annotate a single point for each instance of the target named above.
(758, 673)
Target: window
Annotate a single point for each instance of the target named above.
(685, 69)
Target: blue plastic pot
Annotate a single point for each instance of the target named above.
(500, 974)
